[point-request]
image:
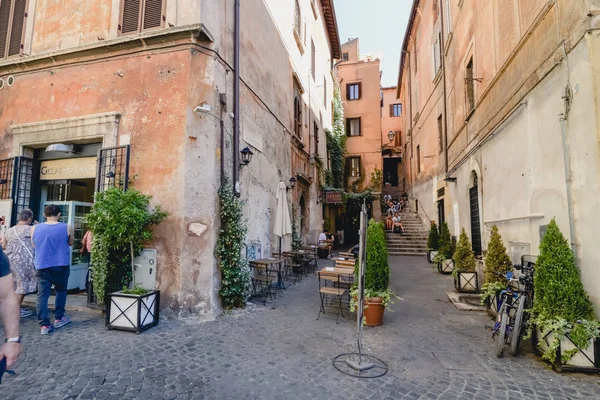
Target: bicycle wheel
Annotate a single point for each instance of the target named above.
(502, 333)
(518, 329)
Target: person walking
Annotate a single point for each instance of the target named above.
(9, 314)
(52, 241)
(20, 253)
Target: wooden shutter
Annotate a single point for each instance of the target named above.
(153, 14)
(359, 91)
(17, 28)
(348, 131)
(359, 126)
(391, 110)
(347, 91)
(4, 21)
(130, 16)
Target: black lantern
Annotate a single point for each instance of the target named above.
(293, 181)
(246, 156)
(391, 136)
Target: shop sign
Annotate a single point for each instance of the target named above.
(5, 216)
(70, 168)
(333, 198)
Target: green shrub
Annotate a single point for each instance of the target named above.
(433, 241)
(377, 272)
(445, 241)
(497, 261)
(464, 258)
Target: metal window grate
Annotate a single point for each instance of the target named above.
(7, 168)
(113, 168)
(23, 184)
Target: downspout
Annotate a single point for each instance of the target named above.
(236, 101)
(443, 60)
(410, 113)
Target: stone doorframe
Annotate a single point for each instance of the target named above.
(86, 129)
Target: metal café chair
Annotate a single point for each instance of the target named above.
(331, 296)
(262, 281)
(293, 268)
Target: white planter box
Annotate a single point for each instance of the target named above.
(131, 312)
(446, 266)
(584, 360)
(431, 255)
(467, 282)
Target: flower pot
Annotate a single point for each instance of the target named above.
(431, 255)
(373, 311)
(445, 267)
(132, 312)
(584, 360)
(466, 282)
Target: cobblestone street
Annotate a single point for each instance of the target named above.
(282, 352)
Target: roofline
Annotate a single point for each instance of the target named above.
(389, 87)
(332, 28)
(413, 13)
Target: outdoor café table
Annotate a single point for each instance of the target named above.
(303, 253)
(268, 262)
(315, 253)
(346, 274)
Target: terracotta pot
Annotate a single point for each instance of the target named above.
(373, 313)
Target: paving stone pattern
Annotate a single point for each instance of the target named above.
(282, 352)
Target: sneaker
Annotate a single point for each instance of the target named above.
(59, 323)
(26, 313)
(47, 329)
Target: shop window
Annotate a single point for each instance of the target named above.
(141, 15)
(13, 15)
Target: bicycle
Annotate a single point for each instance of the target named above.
(525, 303)
(504, 322)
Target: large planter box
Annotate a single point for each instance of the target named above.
(492, 305)
(431, 255)
(131, 312)
(585, 360)
(446, 266)
(467, 282)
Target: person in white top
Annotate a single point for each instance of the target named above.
(325, 241)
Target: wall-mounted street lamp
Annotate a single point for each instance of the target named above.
(246, 156)
(391, 136)
(293, 181)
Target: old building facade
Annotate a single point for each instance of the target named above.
(144, 89)
(391, 138)
(359, 80)
(502, 121)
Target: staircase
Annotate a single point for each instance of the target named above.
(414, 240)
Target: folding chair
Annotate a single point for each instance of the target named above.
(293, 267)
(262, 281)
(331, 294)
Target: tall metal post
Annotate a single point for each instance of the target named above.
(236, 101)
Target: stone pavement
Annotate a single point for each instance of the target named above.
(282, 352)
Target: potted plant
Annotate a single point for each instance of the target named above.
(433, 242)
(377, 277)
(121, 223)
(565, 330)
(465, 276)
(497, 264)
(443, 259)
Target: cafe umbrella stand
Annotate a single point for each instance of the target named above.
(358, 364)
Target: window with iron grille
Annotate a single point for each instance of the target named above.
(395, 110)
(141, 15)
(353, 91)
(6, 178)
(113, 168)
(353, 127)
(470, 89)
(354, 167)
(13, 15)
(23, 186)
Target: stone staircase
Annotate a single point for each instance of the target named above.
(414, 240)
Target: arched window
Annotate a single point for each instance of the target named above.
(475, 215)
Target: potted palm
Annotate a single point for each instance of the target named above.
(377, 276)
(465, 276)
(566, 330)
(497, 263)
(443, 259)
(121, 223)
(433, 242)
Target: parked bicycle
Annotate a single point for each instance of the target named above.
(512, 318)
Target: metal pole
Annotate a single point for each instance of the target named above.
(443, 66)
(236, 102)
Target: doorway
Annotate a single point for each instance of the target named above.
(474, 211)
(441, 213)
(390, 171)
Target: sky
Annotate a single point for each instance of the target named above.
(380, 26)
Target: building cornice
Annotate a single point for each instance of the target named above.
(332, 28)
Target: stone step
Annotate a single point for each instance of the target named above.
(406, 254)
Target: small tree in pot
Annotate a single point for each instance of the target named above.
(465, 277)
(433, 242)
(443, 259)
(497, 264)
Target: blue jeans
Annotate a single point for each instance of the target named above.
(59, 277)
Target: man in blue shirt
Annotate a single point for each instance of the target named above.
(9, 313)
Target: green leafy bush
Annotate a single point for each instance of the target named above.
(497, 261)
(121, 223)
(235, 274)
(377, 272)
(561, 303)
(445, 241)
(464, 258)
(433, 241)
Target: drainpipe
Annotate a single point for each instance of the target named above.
(410, 113)
(443, 66)
(236, 101)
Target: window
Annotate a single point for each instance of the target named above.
(141, 15)
(353, 91)
(312, 59)
(297, 112)
(437, 55)
(447, 17)
(395, 110)
(316, 133)
(353, 126)
(418, 159)
(297, 20)
(12, 26)
(470, 89)
(354, 166)
(344, 56)
(440, 133)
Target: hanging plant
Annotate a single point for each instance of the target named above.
(336, 143)
(235, 274)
